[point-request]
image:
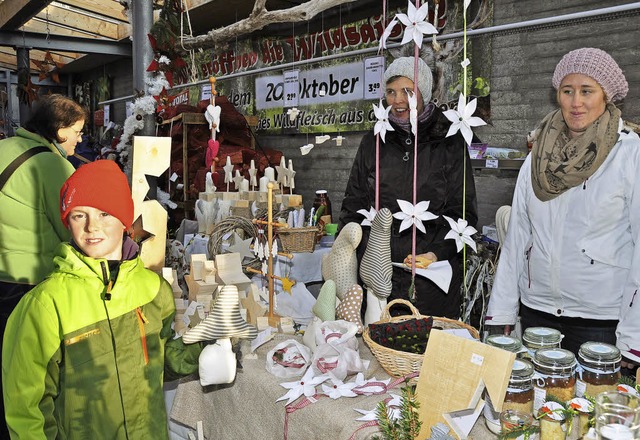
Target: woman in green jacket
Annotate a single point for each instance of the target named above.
(33, 167)
(86, 351)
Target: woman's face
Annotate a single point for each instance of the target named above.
(397, 97)
(71, 136)
(582, 101)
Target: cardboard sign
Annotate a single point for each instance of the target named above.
(454, 373)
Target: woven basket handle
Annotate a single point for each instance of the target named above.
(385, 313)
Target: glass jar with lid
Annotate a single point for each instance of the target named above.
(599, 368)
(506, 342)
(535, 338)
(555, 375)
(509, 343)
(322, 206)
(519, 394)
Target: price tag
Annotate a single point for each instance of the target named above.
(291, 85)
(373, 74)
(491, 163)
(106, 115)
(205, 92)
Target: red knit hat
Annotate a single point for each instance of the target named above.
(101, 185)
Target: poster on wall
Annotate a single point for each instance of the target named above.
(336, 94)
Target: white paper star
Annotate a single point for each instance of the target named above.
(368, 216)
(338, 388)
(413, 110)
(462, 119)
(466, 4)
(305, 386)
(413, 215)
(386, 34)
(304, 150)
(370, 386)
(416, 25)
(212, 115)
(382, 114)
(461, 232)
(323, 138)
(393, 410)
(339, 140)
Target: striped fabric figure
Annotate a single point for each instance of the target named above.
(375, 268)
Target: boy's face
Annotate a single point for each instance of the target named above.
(97, 233)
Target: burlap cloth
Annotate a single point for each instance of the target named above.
(247, 409)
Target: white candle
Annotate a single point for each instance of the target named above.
(270, 173)
(244, 185)
(263, 184)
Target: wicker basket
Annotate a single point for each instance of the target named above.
(298, 239)
(400, 363)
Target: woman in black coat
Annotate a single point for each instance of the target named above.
(440, 181)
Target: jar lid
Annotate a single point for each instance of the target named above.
(522, 370)
(505, 342)
(599, 353)
(321, 191)
(557, 359)
(542, 335)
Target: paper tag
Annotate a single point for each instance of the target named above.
(173, 177)
(477, 359)
(263, 337)
(581, 387)
(539, 397)
(491, 163)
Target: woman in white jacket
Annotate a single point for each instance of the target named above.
(570, 259)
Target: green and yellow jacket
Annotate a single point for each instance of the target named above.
(30, 225)
(76, 365)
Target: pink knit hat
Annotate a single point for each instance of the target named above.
(597, 64)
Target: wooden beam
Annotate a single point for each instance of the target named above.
(108, 8)
(41, 28)
(79, 21)
(15, 13)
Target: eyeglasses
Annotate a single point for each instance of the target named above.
(78, 133)
(391, 94)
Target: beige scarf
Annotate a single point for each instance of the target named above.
(559, 162)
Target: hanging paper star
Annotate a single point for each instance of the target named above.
(462, 119)
(339, 140)
(382, 125)
(321, 139)
(293, 113)
(338, 388)
(287, 284)
(386, 34)
(212, 115)
(274, 249)
(416, 25)
(305, 386)
(461, 233)
(413, 215)
(466, 4)
(304, 150)
(368, 216)
(413, 111)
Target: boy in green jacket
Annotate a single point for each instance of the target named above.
(85, 352)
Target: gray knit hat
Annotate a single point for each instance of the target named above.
(597, 64)
(405, 67)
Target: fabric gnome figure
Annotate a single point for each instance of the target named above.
(217, 362)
